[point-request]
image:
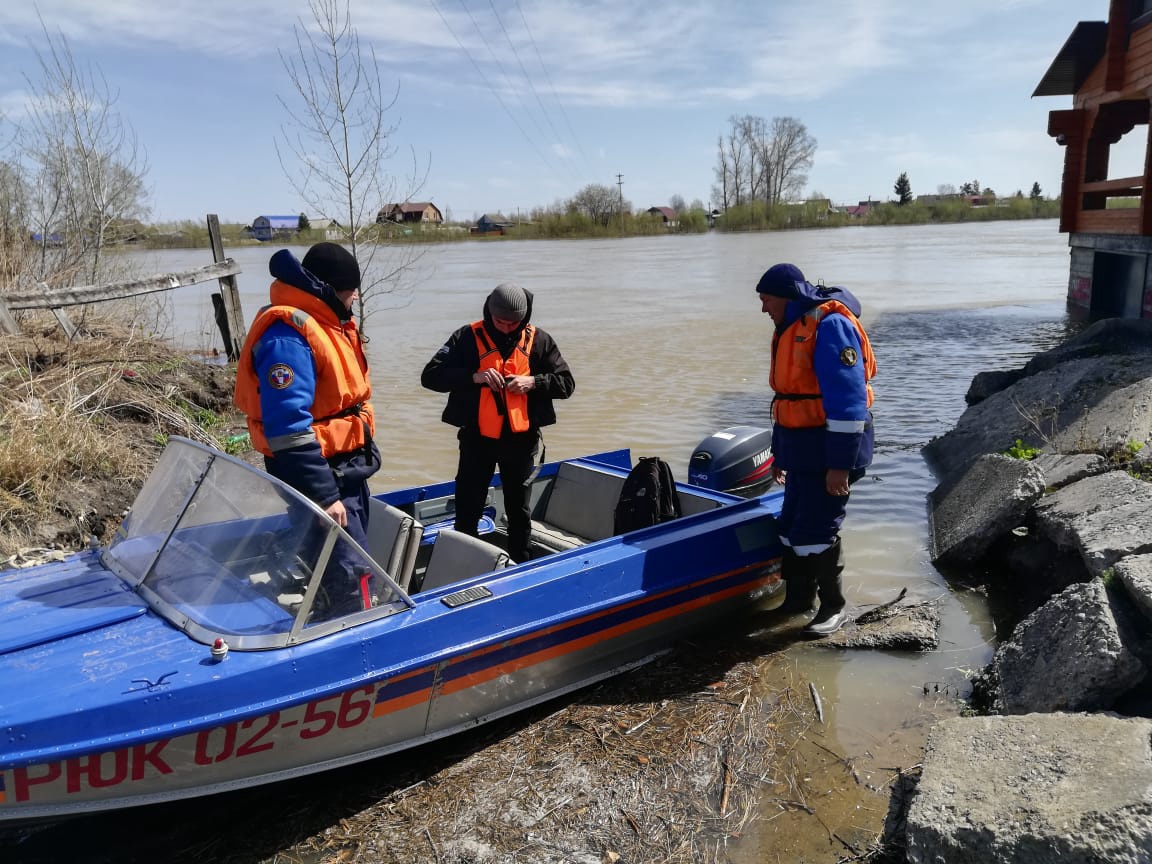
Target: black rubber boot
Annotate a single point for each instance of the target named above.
(831, 616)
(800, 584)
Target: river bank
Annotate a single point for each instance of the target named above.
(666, 341)
(1061, 766)
(189, 234)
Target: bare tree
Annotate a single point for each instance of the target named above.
(790, 153)
(676, 202)
(13, 221)
(86, 167)
(723, 172)
(598, 202)
(341, 139)
(762, 161)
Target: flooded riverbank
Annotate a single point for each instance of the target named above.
(667, 344)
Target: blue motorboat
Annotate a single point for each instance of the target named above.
(201, 650)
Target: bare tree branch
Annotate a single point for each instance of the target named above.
(339, 141)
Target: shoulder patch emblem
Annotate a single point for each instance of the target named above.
(848, 356)
(281, 375)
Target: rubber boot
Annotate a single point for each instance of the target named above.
(799, 584)
(831, 616)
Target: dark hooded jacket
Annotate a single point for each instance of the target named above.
(451, 369)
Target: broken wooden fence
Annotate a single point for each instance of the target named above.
(229, 316)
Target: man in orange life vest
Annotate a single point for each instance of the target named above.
(302, 380)
(501, 374)
(822, 433)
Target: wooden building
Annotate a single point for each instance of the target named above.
(492, 223)
(424, 212)
(667, 215)
(1106, 67)
(275, 227)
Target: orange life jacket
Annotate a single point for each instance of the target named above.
(343, 419)
(493, 407)
(798, 403)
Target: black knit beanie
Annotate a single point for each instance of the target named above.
(333, 264)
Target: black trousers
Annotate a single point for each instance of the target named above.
(515, 454)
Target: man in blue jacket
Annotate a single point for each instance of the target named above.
(302, 379)
(822, 435)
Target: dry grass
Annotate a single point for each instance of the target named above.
(665, 764)
(82, 422)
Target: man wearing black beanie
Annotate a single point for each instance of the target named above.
(501, 374)
(302, 381)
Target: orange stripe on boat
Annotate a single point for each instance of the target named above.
(487, 674)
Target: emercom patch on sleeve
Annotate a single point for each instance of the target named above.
(849, 356)
(281, 375)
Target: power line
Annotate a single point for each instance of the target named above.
(503, 72)
(527, 76)
(551, 85)
(493, 90)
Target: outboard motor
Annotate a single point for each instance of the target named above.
(737, 459)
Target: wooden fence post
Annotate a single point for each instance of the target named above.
(8, 325)
(232, 326)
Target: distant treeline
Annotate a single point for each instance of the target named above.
(757, 216)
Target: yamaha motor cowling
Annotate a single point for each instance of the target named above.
(737, 459)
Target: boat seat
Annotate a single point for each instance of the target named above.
(457, 556)
(691, 503)
(581, 507)
(393, 540)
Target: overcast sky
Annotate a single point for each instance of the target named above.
(512, 105)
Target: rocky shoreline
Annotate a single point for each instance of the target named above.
(1046, 499)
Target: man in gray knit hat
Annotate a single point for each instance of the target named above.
(501, 374)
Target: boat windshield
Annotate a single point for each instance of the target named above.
(220, 548)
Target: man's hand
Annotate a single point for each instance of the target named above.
(779, 475)
(836, 482)
(490, 377)
(338, 513)
(520, 383)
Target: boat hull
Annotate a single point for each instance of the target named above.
(109, 703)
(387, 714)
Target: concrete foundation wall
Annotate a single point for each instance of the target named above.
(1110, 275)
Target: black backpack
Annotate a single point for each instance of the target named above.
(648, 496)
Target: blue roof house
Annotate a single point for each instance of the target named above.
(269, 227)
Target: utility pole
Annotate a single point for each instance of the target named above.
(620, 188)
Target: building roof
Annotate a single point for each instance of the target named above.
(281, 220)
(415, 206)
(667, 212)
(1076, 60)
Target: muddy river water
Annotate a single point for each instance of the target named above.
(667, 343)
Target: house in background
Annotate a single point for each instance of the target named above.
(492, 223)
(332, 229)
(423, 212)
(859, 211)
(1106, 67)
(53, 241)
(669, 216)
(275, 227)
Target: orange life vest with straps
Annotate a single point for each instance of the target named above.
(494, 407)
(343, 417)
(798, 403)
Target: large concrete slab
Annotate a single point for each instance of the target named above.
(974, 508)
(1104, 518)
(1037, 789)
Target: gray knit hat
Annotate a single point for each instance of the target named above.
(508, 301)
